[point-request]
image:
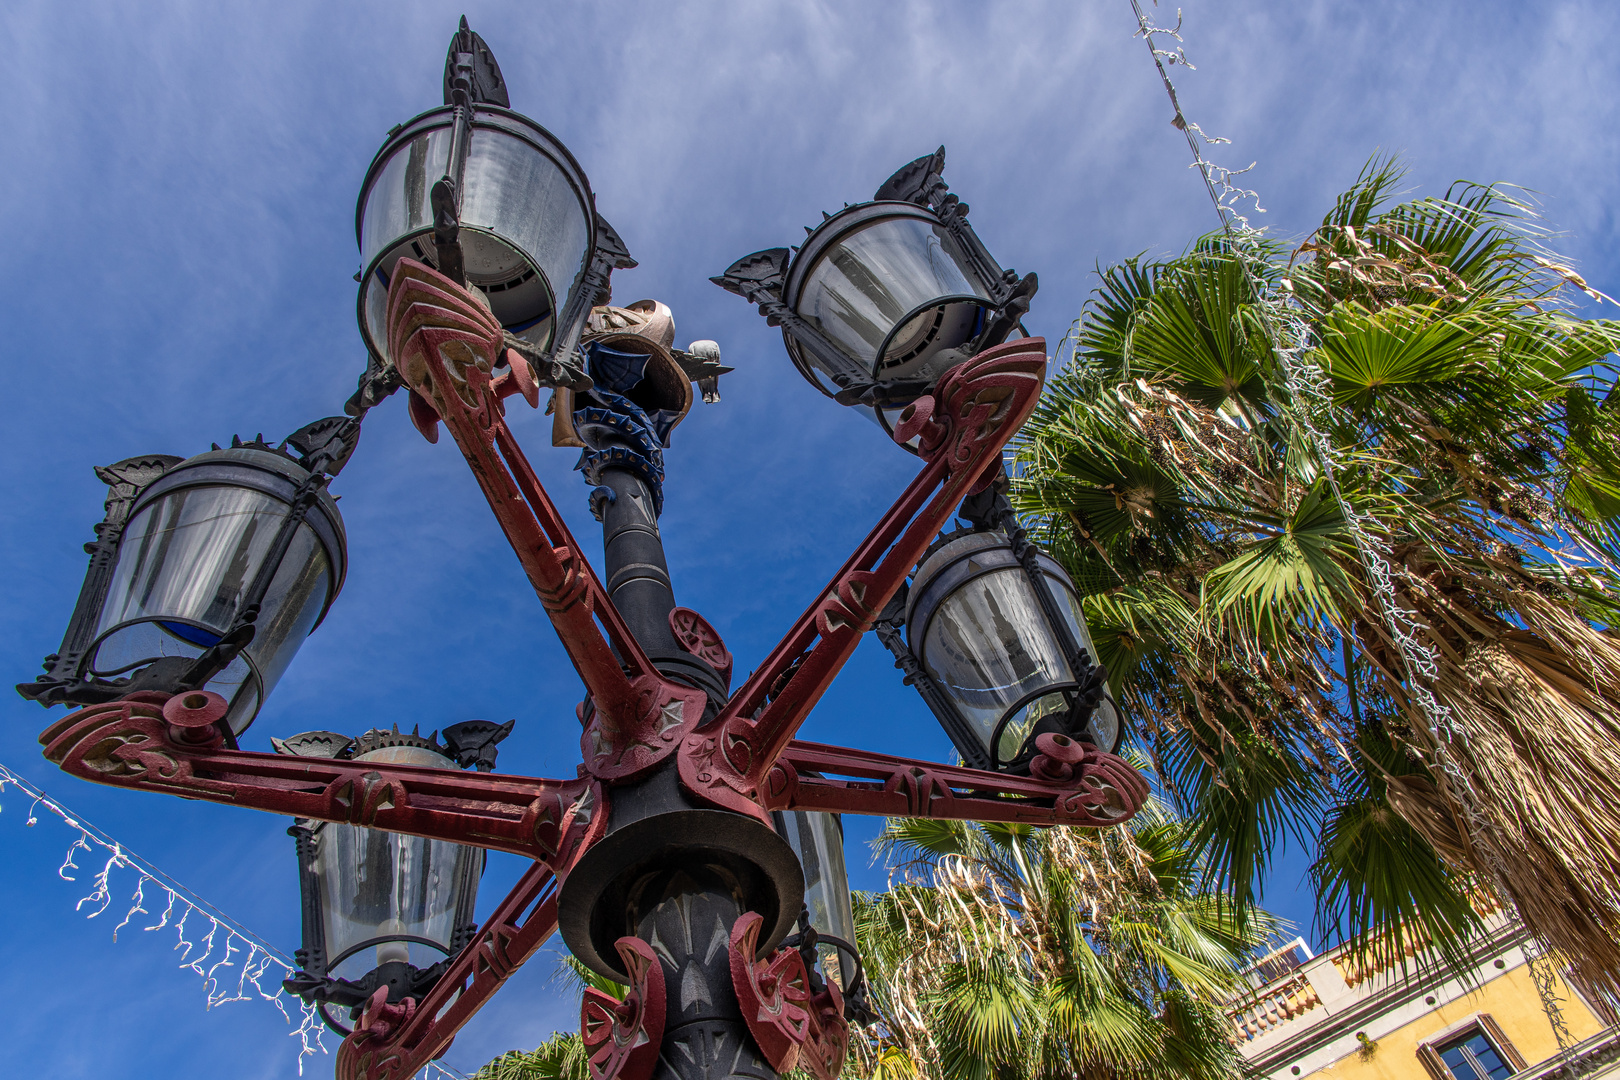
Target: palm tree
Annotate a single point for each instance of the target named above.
(1348, 521)
(1013, 952)
(561, 1057)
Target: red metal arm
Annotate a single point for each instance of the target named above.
(512, 934)
(446, 345)
(160, 745)
(137, 744)
(1101, 790)
(978, 407)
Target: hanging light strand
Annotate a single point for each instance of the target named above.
(1293, 343)
(209, 942)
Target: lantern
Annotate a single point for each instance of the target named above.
(207, 573)
(381, 908)
(886, 296)
(491, 199)
(1007, 648)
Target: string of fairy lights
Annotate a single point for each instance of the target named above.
(232, 961)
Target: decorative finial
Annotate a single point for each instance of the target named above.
(470, 68)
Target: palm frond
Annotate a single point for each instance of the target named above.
(1246, 796)
(1293, 574)
(561, 1057)
(1378, 881)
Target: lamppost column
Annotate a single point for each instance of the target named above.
(674, 885)
(705, 1037)
(633, 553)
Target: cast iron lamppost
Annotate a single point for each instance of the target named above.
(698, 832)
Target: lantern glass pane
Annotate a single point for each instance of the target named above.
(872, 278)
(1103, 726)
(374, 302)
(184, 567)
(397, 203)
(292, 606)
(818, 840)
(518, 193)
(1022, 723)
(377, 884)
(988, 646)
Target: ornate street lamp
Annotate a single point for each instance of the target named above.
(383, 912)
(886, 296)
(206, 573)
(492, 200)
(697, 829)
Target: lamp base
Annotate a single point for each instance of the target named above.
(634, 869)
(705, 1035)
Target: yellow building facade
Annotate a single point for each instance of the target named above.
(1323, 1017)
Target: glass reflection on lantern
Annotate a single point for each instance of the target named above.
(890, 286)
(818, 841)
(389, 897)
(380, 908)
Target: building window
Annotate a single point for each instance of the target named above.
(1478, 1051)
(1471, 1056)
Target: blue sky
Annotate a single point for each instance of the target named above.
(178, 197)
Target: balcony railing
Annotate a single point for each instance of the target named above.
(1273, 1005)
(1357, 970)
(1292, 984)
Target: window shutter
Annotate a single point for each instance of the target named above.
(1493, 1031)
(1431, 1061)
